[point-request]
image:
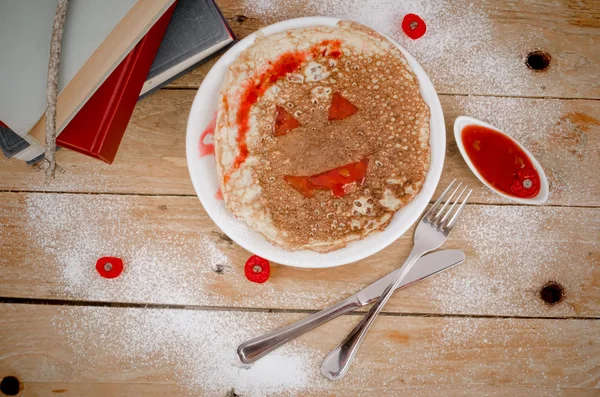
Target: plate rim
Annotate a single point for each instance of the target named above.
(333, 258)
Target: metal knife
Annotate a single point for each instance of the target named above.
(428, 265)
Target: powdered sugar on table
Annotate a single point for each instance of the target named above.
(164, 263)
(461, 51)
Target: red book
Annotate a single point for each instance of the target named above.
(98, 127)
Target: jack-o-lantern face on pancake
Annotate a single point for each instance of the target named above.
(337, 180)
(325, 142)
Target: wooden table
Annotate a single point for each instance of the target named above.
(520, 317)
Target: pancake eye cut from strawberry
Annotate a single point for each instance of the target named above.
(341, 108)
(284, 122)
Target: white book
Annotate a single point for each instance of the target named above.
(25, 31)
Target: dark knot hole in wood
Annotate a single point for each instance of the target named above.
(10, 386)
(538, 60)
(552, 293)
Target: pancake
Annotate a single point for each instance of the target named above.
(321, 136)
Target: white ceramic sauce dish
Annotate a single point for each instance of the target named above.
(463, 121)
(204, 175)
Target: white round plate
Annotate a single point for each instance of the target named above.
(204, 175)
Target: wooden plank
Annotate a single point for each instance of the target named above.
(563, 134)
(96, 389)
(186, 352)
(151, 157)
(174, 254)
(491, 61)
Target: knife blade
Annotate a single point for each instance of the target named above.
(428, 265)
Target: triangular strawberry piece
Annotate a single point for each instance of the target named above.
(341, 107)
(284, 122)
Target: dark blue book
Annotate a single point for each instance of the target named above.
(197, 30)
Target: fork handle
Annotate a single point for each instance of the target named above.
(252, 350)
(337, 363)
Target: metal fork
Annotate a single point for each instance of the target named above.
(432, 231)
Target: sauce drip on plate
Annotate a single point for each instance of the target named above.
(500, 161)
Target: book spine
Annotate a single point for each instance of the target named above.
(224, 21)
(150, 88)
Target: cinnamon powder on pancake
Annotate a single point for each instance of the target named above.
(350, 105)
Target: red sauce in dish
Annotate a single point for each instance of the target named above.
(287, 63)
(336, 180)
(500, 161)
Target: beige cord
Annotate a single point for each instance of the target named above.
(52, 87)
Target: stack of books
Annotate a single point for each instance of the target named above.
(113, 53)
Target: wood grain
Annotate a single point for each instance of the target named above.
(566, 141)
(101, 389)
(104, 350)
(480, 328)
(174, 254)
(567, 30)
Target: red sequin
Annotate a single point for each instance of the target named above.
(413, 26)
(257, 269)
(526, 183)
(109, 266)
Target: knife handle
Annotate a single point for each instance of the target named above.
(250, 351)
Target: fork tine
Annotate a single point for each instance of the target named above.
(454, 219)
(449, 212)
(433, 208)
(438, 215)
